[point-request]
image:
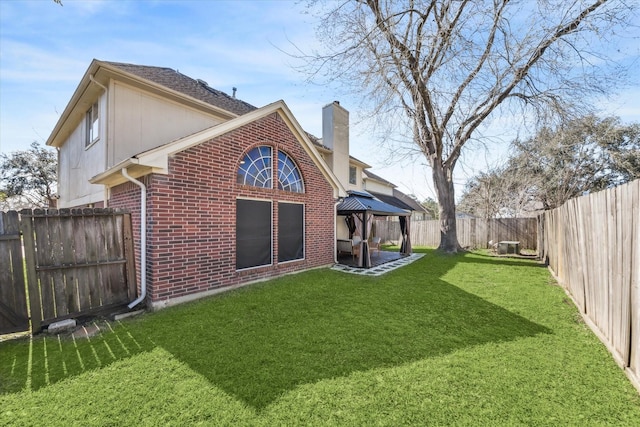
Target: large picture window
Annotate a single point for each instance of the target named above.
(290, 231)
(253, 233)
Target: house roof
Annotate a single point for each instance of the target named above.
(387, 198)
(371, 175)
(401, 200)
(197, 89)
(353, 160)
(361, 201)
(165, 82)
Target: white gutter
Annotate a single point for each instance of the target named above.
(143, 238)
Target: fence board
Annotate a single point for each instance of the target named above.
(81, 275)
(68, 259)
(129, 255)
(35, 299)
(13, 303)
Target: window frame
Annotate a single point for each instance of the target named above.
(251, 205)
(293, 169)
(282, 238)
(92, 125)
(353, 181)
(256, 168)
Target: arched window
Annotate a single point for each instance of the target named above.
(289, 177)
(256, 168)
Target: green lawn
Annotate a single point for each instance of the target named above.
(447, 340)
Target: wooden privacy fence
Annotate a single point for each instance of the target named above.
(472, 232)
(592, 245)
(76, 262)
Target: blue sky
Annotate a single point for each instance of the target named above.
(46, 48)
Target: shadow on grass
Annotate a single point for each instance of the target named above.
(260, 342)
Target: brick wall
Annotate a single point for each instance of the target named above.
(191, 211)
(127, 196)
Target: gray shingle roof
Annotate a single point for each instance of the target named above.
(372, 175)
(197, 89)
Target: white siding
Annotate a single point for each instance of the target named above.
(77, 164)
(142, 121)
(377, 187)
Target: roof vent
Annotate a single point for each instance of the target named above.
(234, 91)
(202, 82)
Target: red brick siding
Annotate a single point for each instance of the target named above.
(127, 196)
(191, 211)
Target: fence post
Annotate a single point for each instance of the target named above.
(130, 256)
(35, 305)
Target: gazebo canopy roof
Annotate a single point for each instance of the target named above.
(361, 201)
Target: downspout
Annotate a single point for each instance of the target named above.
(335, 230)
(143, 238)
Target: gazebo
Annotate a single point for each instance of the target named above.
(359, 208)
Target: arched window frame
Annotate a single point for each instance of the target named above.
(256, 167)
(256, 170)
(289, 175)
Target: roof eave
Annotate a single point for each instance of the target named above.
(353, 160)
(135, 168)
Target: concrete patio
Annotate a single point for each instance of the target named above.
(381, 262)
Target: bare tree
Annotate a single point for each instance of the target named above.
(483, 195)
(502, 192)
(443, 68)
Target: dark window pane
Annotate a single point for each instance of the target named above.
(290, 231)
(253, 233)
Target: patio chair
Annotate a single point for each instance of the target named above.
(375, 245)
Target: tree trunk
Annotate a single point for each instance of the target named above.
(443, 180)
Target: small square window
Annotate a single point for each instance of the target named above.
(92, 125)
(352, 175)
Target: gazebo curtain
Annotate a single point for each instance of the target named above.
(358, 224)
(405, 229)
(351, 225)
(363, 224)
(365, 254)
